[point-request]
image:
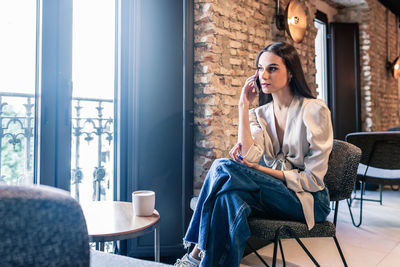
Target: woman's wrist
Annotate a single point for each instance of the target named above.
(243, 105)
(257, 167)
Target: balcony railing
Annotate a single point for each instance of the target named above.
(92, 143)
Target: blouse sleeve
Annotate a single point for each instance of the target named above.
(319, 135)
(256, 150)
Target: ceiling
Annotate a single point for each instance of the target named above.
(393, 5)
(349, 3)
(345, 3)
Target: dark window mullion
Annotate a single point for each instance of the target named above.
(56, 94)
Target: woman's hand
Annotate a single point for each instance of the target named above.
(250, 164)
(235, 152)
(249, 91)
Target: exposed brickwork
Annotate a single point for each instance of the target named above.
(228, 36)
(383, 88)
(379, 91)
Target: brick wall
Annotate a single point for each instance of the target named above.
(228, 36)
(379, 91)
(383, 88)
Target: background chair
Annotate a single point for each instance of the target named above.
(41, 227)
(379, 164)
(340, 179)
(44, 226)
(394, 129)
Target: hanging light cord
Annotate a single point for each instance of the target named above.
(277, 7)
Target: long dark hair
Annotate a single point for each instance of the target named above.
(291, 59)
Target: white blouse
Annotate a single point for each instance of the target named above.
(306, 145)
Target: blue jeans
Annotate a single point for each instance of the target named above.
(231, 191)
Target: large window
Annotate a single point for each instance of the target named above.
(75, 52)
(96, 97)
(17, 90)
(93, 72)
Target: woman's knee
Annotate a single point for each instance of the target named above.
(220, 163)
(218, 168)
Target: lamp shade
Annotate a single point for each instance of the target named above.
(396, 68)
(295, 21)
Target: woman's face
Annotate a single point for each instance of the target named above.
(272, 73)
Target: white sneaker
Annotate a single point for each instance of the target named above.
(186, 262)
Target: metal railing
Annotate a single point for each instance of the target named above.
(16, 138)
(92, 121)
(89, 128)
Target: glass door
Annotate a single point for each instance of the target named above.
(18, 83)
(93, 121)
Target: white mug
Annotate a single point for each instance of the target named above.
(143, 202)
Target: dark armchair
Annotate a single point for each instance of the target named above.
(379, 164)
(340, 179)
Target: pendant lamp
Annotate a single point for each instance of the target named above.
(393, 67)
(396, 68)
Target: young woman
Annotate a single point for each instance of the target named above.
(291, 133)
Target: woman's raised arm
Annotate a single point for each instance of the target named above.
(249, 93)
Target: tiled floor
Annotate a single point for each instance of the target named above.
(375, 243)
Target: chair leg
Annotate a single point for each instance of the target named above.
(275, 249)
(349, 202)
(307, 251)
(258, 255)
(363, 187)
(363, 191)
(274, 259)
(355, 193)
(116, 250)
(340, 251)
(283, 256)
(278, 241)
(293, 234)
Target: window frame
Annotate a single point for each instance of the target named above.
(53, 125)
(322, 18)
(53, 122)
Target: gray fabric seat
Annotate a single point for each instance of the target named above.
(44, 226)
(266, 229)
(340, 179)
